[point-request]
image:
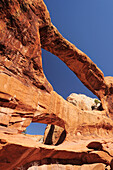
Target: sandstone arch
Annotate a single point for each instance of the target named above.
(26, 96)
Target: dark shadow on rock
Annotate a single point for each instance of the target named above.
(100, 108)
(62, 138)
(48, 140)
(111, 164)
(95, 146)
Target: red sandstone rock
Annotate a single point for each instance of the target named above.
(18, 150)
(98, 166)
(39, 106)
(26, 96)
(20, 40)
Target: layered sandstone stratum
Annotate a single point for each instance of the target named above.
(79, 137)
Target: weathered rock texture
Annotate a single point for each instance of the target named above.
(55, 135)
(83, 102)
(21, 151)
(26, 96)
(98, 166)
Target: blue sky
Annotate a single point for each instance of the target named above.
(89, 26)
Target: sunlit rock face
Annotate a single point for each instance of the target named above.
(21, 70)
(26, 96)
(98, 166)
(84, 102)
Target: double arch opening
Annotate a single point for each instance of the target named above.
(64, 82)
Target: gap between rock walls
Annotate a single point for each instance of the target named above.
(46, 134)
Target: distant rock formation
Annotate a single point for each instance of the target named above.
(83, 102)
(26, 95)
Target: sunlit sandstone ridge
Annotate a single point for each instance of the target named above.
(26, 96)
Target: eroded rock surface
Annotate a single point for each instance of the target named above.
(98, 166)
(21, 151)
(26, 96)
(54, 134)
(83, 102)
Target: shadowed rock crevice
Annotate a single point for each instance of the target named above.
(62, 138)
(54, 135)
(48, 140)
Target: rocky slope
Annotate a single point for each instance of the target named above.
(21, 151)
(26, 95)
